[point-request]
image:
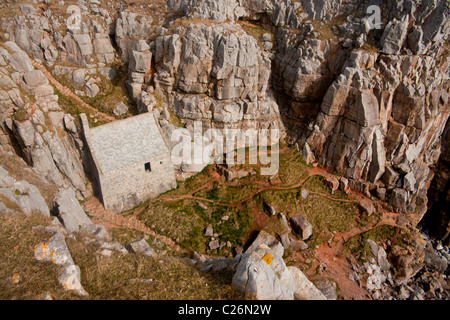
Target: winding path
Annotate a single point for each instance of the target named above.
(112, 220)
(68, 93)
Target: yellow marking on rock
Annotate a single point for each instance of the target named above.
(268, 258)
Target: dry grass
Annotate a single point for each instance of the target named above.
(105, 278)
(184, 220)
(108, 278)
(17, 243)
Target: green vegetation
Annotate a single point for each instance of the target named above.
(21, 115)
(358, 247)
(235, 209)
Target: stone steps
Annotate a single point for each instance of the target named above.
(95, 209)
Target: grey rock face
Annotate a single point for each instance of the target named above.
(379, 254)
(264, 275)
(268, 240)
(24, 195)
(305, 289)
(394, 36)
(70, 212)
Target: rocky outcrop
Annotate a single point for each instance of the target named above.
(264, 275)
(55, 250)
(20, 196)
(69, 211)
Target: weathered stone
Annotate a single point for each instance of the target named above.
(70, 279)
(305, 289)
(379, 254)
(304, 193)
(285, 241)
(298, 245)
(141, 61)
(97, 231)
(301, 226)
(328, 288)
(209, 232)
(69, 211)
(332, 182)
(120, 109)
(264, 275)
(394, 36)
(269, 209)
(140, 246)
(409, 182)
(214, 244)
(367, 205)
(365, 111)
(56, 251)
(35, 78)
(434, 261)
(399, 198)
(268, 240)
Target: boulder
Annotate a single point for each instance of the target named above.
(332, 182)
(298, 245)
(69, 211)
(56, 251)
(35, 78)
(394, 36)
(367, 205)
(268, 240)
(269, 209)
(328, 288)
(305, 289)
(120, 109)
(262, 274)
(97, 231)
(301, 226)
(209, 232)
(140, 246)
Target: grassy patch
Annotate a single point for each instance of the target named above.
(104, 278)
(17, 243)
(172, 279)
(235, 208)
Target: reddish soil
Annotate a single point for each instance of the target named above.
(329, 257)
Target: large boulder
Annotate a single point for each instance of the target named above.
(55, 250)
(301, 226)
(268, 240)
(305, 289)
(69, 211)
(394, 36)
(263, 275)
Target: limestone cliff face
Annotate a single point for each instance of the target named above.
(368, 101)
(37, 128)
